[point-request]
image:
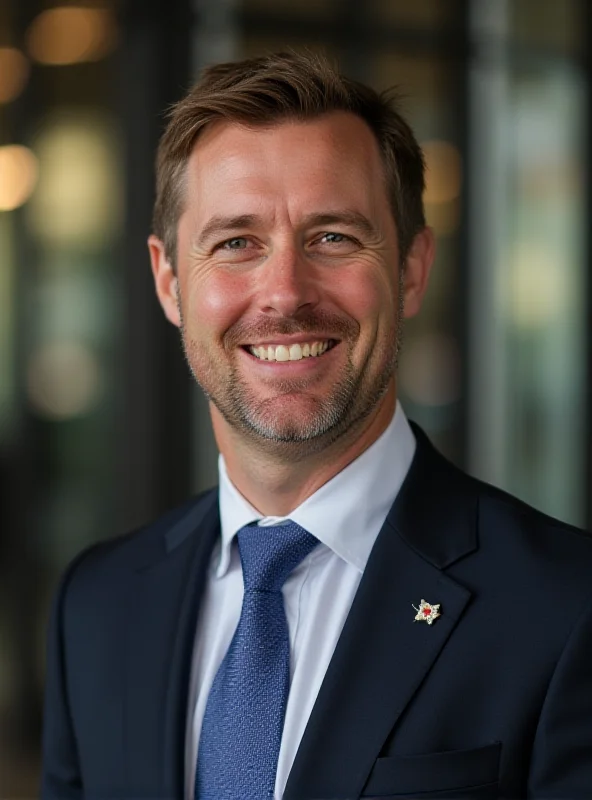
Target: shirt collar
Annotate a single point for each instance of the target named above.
(346, 513)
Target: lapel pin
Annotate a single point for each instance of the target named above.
(427, 612)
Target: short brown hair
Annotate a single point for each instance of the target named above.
(286, 86)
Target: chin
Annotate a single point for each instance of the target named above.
(306, 430)
(286, 430)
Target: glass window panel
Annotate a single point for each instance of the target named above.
(528, 333)
(543, 285)
(60, 333)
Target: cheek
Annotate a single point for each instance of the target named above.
(214, 302)
(369, 299)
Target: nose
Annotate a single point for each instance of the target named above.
(287, 283)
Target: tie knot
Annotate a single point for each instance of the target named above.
(270, 553)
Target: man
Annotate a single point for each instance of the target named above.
(348, 615)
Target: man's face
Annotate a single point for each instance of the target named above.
(289, 288)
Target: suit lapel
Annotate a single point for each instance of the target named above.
(164, 601)
(383, 656)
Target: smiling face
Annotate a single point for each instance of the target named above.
(290, 295)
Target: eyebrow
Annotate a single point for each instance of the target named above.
(221, 224)
(346, 217)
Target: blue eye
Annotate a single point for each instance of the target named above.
(237, 243)
(336, 238)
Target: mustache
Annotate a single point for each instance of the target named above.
(319, 324)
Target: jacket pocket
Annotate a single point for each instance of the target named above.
(456, 771)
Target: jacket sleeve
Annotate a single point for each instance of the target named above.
(61, 778)
(561, 764)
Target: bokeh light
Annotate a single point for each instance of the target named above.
(71, 35)
(536, 290)
(18, 176)
(63, 380)
(14, 72)
(78, 202)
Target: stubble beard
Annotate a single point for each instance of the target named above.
(325, 420)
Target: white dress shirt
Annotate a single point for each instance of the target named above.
(345, 515)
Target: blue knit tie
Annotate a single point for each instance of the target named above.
(244, 717)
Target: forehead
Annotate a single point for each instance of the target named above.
(334, 153)
(336, 130)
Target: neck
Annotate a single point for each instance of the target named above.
(274, 482)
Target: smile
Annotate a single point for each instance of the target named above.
(294, 352)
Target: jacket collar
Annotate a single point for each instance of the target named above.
(435, 512)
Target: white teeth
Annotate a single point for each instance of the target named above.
(295, 352)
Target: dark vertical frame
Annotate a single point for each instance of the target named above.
(587, 66)
(26, 576)
(464, 272)
(155, 439)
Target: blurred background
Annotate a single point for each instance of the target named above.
(100, 426)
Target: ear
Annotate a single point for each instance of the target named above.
(418, 264)
(165, 281)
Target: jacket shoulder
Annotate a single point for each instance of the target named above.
(113, 557)
(510, 534)
(500, 504)
(553, 550)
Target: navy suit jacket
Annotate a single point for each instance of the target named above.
(494, 699)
